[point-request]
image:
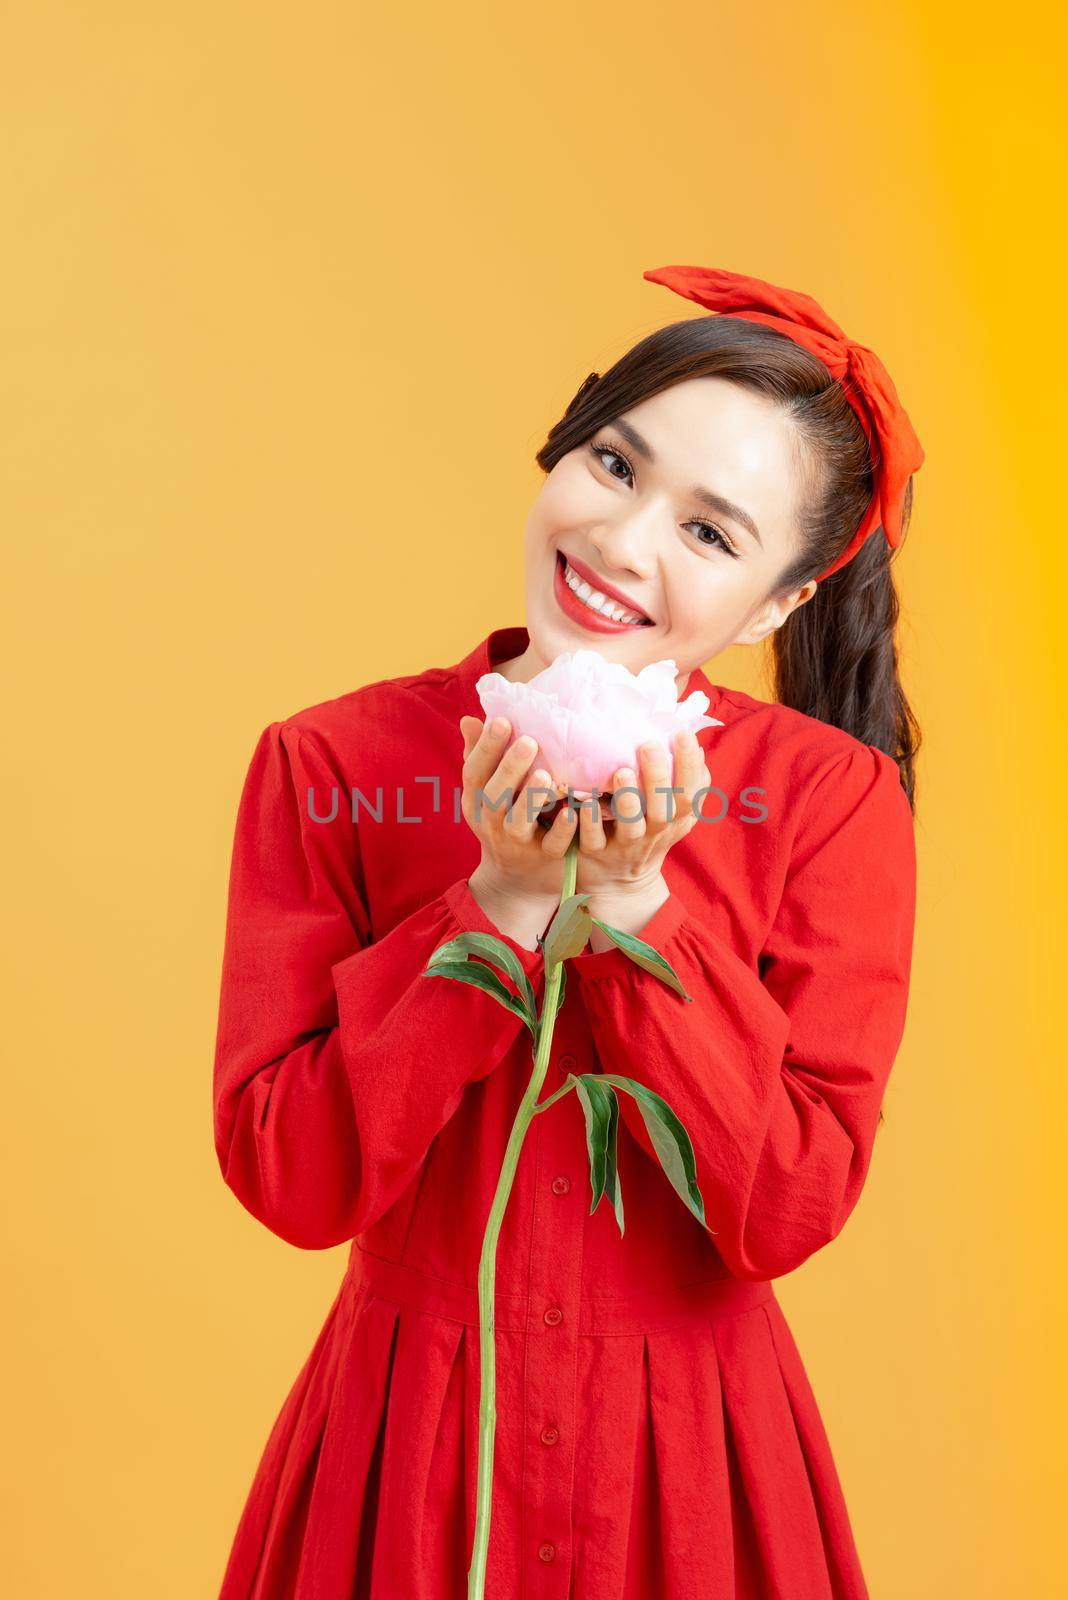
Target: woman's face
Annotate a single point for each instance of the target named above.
(626, 517)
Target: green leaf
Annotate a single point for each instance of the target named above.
(569, 931)
(601, 1109)
(613, 1187)
(451, 950)
(480, 977)
(644, 956)
(670, 1141)
(595, 1108)
(496, 951)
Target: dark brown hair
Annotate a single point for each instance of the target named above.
(835, 656)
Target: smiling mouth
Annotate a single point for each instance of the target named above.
(599, 603)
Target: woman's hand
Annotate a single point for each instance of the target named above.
(621, 860)
(520, 878)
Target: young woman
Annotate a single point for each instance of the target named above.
(732, 478)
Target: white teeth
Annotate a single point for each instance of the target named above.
(597, 601)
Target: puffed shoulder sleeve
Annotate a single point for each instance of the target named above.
(336, 1064)
(778, 1074)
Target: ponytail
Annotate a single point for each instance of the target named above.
(835, 658)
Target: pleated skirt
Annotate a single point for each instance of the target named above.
(702, 1470)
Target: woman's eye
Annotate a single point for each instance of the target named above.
(716, 539)
(602, 450)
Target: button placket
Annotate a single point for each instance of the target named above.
(550, 1369)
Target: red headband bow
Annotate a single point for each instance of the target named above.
(895, 450)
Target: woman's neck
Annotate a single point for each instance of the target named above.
(520, 669)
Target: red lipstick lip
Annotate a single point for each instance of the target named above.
(605, 588)
(573, 608)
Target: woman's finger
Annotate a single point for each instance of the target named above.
(500, 790)
(628, 805)
(470, 728)
(535, 797)
(485, 754)
(556, 838)
(591, 829)
(691, 773)
(660, 805)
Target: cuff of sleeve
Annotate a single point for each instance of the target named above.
(659, 932)
(472, 919)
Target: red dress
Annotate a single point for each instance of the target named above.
(657, 1438)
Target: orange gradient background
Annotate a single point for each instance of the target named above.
(292, 296)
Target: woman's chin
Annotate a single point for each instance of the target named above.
(550, 637)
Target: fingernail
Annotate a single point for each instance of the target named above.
(624, 777)
(499, 727)
(525, 745)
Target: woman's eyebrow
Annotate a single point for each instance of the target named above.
(715, 502)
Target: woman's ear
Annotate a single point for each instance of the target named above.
(801, 596)
(773, 613)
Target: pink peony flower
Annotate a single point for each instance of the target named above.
(590, 715)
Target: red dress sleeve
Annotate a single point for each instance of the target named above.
(336, 1063)
(778, 1077)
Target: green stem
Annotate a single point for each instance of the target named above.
(487, 1267)
(543, 1105)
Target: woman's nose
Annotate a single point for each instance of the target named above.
(627, 544)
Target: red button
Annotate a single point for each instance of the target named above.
(549, 1436)
(561, 1185)
(553, 1316)
(547, 1552)
(567, 1064)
